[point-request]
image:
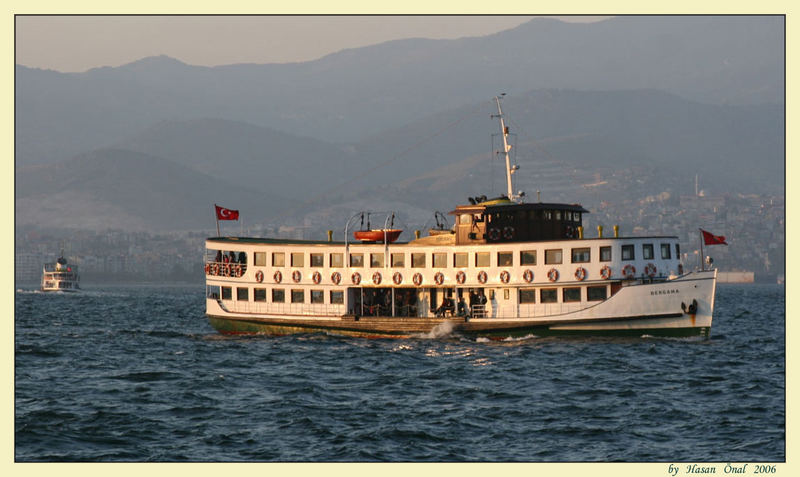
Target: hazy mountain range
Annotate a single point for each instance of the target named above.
(153, 144)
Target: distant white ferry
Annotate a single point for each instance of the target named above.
(505, 269)
(60, 276)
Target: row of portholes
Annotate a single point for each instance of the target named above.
(629, 271)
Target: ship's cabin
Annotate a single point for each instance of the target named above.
(507, 221)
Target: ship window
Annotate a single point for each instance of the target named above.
(260, 294)
(647, 251)
(576, 216)
(552, 257)
(260, 259)
(627, 252)
(596, 293)
(212, 291)
(337, 260)
(548, 214)
(278, 295)
(677, 250)
(557, 215)
(527, 295)
(278, 259)
(548, 295)
(356, 259)
(581, 255)
(398, 260)
(317, 260)
(605, 254)
(298, 296)
(665, 251)
(465, 219)
(297, 259)
(317, 296)
(505, 259)
(572, 294)
(376, 260)
(226, 293)
(439, 260)
(241, 294)
(481, 259)
(337, 297)
(527, 257)
(568, 216)
(460, 260)
(417, 260)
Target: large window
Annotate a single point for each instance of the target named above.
(260, 294)
(356, 259)
(548, 295)
(580, 255)
(278, 295)
(298, 296)
(527, 296)
(417, 260)
(260, 259)
(596, 293)
(460, 260)
(317, 260)
(440, 260)
(572, 294)
(337, 297)
(505, 259)
(647, 251)
(481, 259)
(337, 260)
(376, 260)
(527, 257)
(317, 296)
(398, 260)
(226, 293)
(553, 257)
(297, 259)
(627, 252)
(605, 254)
(278, 259)
(665, 251)
(242, 294)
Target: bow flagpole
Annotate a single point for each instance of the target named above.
(216, 218)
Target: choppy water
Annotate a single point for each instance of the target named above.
(137, 374)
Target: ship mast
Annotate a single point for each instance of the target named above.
(506, 147)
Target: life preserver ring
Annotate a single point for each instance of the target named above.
(629, 271)
(397, 278)
(417, 279)
(494, 234)
(237, 270)
(355, 278)
(227, 269)
(680, 269)
(527, 275)
(376, 278)
(438, 278)
(650, 270)
(208, 268)
(569, 231)
(580, 274)
(277, 277)
(482, 276)
(336, 277)
(259, 276)
(552, 274)
(297, 276)
(508, 232)
(605, 272)
(461, 277)
(215, 269)
(505, 276)
(316, 278)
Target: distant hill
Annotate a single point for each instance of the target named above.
(132, 191)
(352, 94)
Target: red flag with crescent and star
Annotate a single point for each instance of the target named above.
(711, 239)
(226, 214)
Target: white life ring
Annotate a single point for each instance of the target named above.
(650, 270)
(605, 272)
(552, 274)
(356, 278)
(277, 277)
(259, 276)
(397, 278)
(505, 276)
(376, 278)
(482, 277)
(438, 278)
(461, 277)
(417, 279)
(580, 274)
(316, 277)
(336, 277)
(629, 271)
(527, 275)
(494, 234)
(508, 232)
(297, 276)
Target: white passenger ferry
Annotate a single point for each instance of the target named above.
(505, 269)
(60, 276)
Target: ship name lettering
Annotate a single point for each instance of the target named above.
(664, 292)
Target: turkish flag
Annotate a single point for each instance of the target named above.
(226, 214)
(711, 239)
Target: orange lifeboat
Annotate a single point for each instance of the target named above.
(377, 235)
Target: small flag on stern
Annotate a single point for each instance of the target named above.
(711, 239)
(226, 214)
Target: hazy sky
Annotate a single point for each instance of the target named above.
(78, 43)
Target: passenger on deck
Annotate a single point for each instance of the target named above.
(242, 257)
(218, 258)
(446, 306)
(232, 257)
(462, 307)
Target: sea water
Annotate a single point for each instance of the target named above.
(137, 374)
